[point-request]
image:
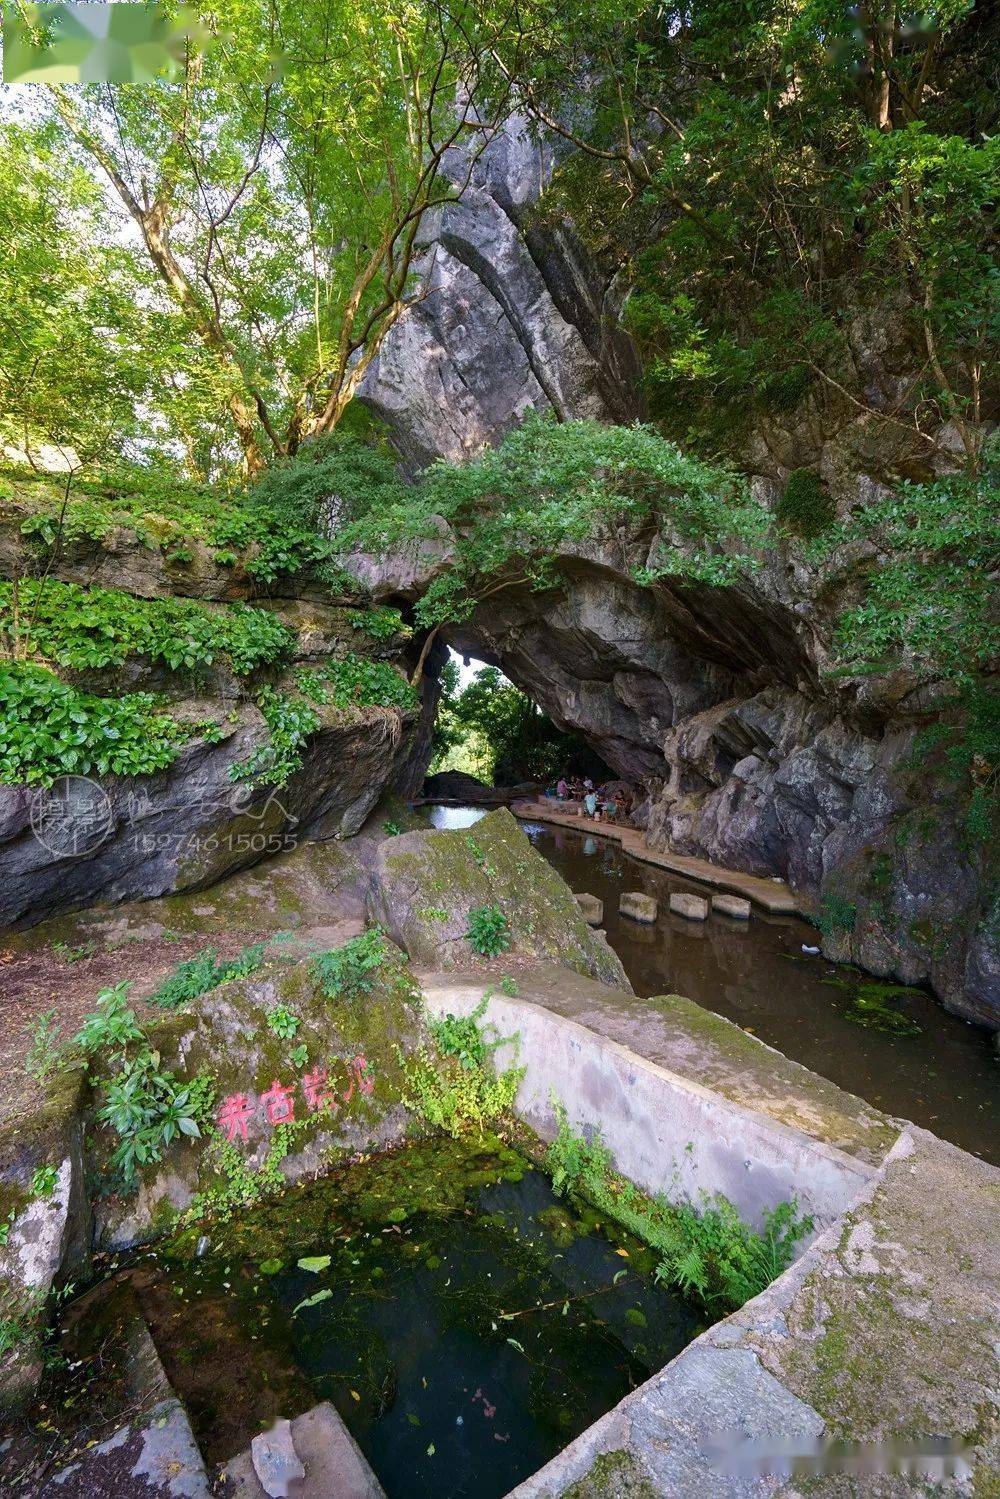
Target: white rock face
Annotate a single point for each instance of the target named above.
(515, 318)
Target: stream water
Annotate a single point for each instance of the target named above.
(940, 1072)
(465, 1322)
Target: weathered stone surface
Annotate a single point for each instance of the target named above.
(638, 906)
(591, 909)
(227, 1034)
(732, 905)
(694, 907)
(335, 1467)
(48, 1223)
(425, 884)
(514, 317)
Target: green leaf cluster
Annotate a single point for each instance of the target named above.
(349, 972)
(102, 627)
(488, 931)
(713, 1256)
(49, 729)
(204, 972)
(145, 1106)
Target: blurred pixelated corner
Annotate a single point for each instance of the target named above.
(50, 42)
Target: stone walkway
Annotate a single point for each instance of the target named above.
(773, 894)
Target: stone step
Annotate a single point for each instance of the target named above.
(335, 1466)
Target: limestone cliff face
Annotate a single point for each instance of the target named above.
(716, 698)
(515, 317)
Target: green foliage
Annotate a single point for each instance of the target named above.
(460, 1036)
(44, 1053)
(718, 1258)
(382, 623)
(711, 1256)
(816, 175)
(391, 828)
(204, 972)
(80, 953)
(112, 1027)
(454, 1087)
(929, 597)
(352, 681)
(835, 914)
(148, 1108)
(43, 1181)
(87, 628)
(350, 972)
(49, 729)
(549, 485)
(805, 507)
(283, 1022)
(489, 931)
(492, 729)
(290, 724)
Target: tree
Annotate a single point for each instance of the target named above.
(771, 175)
(280, 187)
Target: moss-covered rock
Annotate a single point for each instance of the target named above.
(277, 1041)
(424, 886)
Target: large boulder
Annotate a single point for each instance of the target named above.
(229, 1035)
(424, 886)
(191, 824)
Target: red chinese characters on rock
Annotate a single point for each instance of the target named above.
(235, 1113)
(278, 1103)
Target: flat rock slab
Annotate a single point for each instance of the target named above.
(638, 906)
(732, 905)
(335, 1467)
(155, 1457)
(591, 909)
(694, 907)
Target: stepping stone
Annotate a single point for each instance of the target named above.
(591, 909)
(640, 907)
(732, 905)
(694, 907)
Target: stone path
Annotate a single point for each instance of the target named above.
(773, 894)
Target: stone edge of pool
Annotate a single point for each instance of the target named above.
(886, 1326)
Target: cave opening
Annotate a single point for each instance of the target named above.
(488, 727)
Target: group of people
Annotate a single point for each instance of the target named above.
(608, 803)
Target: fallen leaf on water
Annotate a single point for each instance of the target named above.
(315, 1262)
(312, 1300)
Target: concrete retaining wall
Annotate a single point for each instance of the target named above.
(666, 1132)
